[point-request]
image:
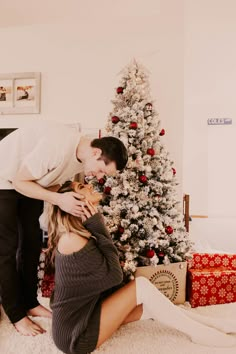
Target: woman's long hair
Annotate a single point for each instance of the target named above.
(61, 222)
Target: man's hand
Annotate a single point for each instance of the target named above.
(71, 203)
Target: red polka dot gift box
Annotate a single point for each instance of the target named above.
(211, 279)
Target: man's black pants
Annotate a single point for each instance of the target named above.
(20, 244)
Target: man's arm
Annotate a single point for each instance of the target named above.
(25, 184)
(54, 188)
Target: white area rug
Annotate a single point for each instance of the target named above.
(143, 337)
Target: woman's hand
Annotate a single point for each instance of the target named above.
(88, 210)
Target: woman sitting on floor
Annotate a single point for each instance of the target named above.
(86, 306)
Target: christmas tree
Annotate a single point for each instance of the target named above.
(140, 205)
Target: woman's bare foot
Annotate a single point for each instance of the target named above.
(39, 311)
(26, 327)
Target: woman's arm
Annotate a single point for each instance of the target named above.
(93, 220)
(95, 224)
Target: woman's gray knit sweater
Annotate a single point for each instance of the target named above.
(81, 280)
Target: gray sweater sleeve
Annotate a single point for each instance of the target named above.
(95, 224)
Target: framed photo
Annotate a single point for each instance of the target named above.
(20, 93)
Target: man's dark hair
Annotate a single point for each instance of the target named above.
(112, 150)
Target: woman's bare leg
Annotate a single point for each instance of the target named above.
(134, 315)
(115, 309)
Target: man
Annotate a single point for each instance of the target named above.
(33, 160)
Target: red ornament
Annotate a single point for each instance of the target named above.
(169, 230)
(133, 125)
(174, 171)
(115, 119)
(151, 152)
(107, 190)
(143, 179)
(120, 89)
(101, 181)
(121, 230)
(162, 132)
(150, 253)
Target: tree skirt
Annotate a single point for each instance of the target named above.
(143, 337)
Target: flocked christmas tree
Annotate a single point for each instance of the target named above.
(140, 205)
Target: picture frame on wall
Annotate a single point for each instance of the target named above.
(20, 93)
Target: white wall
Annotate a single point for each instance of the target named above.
(222, 172)
(210, 76)
(81, 56)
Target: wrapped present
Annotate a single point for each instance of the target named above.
(45, 277)
(47, 285)
(211, 279)
(169, 279)
(214, 260)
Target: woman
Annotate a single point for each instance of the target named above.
(86, 310)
